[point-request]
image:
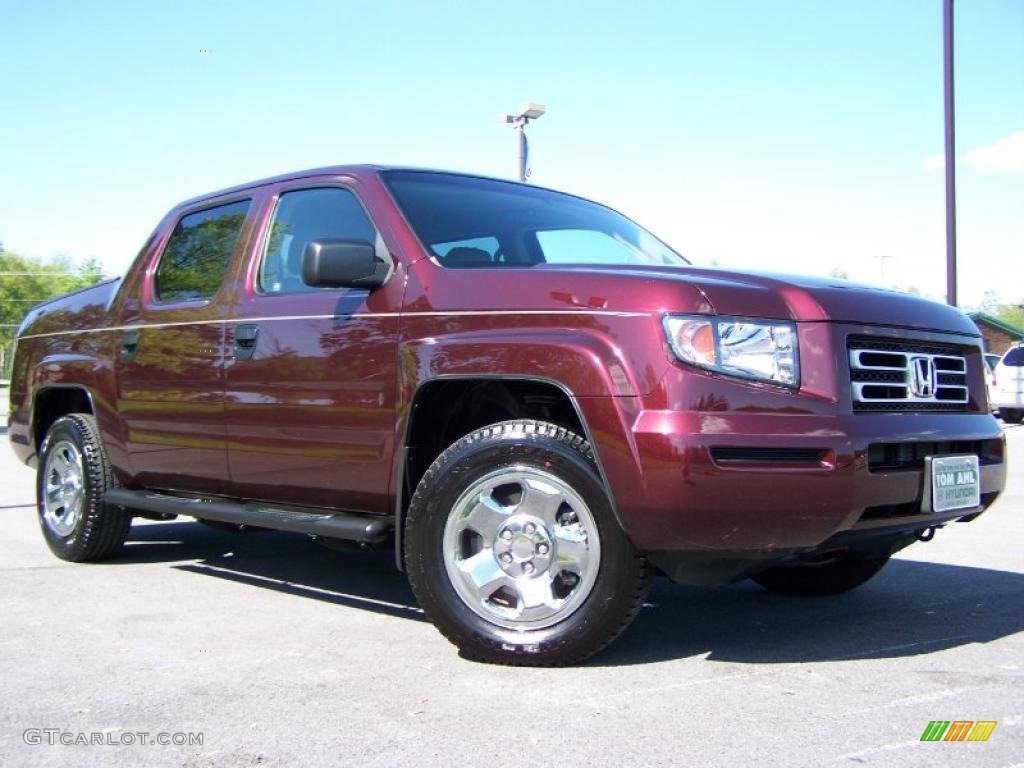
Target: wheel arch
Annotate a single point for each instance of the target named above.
(52, 401)
(478, 391)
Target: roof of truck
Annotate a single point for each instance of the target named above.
(332, 170)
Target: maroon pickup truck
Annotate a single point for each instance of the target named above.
(538, 402)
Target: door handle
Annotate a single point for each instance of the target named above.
(245, 341)
(129, 345)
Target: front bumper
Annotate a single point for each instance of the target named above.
(693, 495)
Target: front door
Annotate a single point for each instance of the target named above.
(170, 364)
(311, 378)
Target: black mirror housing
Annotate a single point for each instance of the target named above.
(336, 263)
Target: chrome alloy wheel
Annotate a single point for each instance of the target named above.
(64, 488)
(521, 548)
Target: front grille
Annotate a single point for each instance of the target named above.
(889, 457)
(906, 376)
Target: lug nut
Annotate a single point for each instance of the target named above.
(506, 558)
(542, 549)
(528, 567)
(529, 528)
(506, 534)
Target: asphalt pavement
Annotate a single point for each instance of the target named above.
(275, 651)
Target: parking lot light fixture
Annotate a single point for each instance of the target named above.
(529, 111)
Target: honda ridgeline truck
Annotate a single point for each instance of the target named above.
(536, 402)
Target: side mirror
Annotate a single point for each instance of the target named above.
(334, 263)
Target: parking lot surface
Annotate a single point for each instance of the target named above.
(280, 652)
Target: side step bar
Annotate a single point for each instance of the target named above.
(332, 525)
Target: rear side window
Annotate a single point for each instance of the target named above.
(301, 216)
(198, 252)
(1014, 357)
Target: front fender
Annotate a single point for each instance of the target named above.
(589, 369)
(583, 361)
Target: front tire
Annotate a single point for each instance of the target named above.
(833, 576)
(74, 475)
(514, 552)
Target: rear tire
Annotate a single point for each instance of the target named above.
(514, 552)
(832, 577)
(74, 475)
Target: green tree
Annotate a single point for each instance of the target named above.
(25, 282)
(1012, 314)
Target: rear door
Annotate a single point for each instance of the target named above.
(170, 365)
(311, 376)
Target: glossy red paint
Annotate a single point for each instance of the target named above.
(318, 414)
(310, 418)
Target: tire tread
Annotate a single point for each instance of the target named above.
(104, 528)
(555, 656)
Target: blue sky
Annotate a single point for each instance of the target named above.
(796, 136)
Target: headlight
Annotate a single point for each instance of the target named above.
(765, 350)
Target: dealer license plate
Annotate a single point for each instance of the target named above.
(955, 483)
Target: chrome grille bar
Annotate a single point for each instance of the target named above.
(906, 377)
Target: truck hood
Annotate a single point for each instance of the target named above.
(802, 298)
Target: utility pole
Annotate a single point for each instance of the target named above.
(947, 50)
(519, 122)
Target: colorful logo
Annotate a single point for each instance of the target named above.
(958, 730)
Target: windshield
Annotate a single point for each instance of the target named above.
(467, 222)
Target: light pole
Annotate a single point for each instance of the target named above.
(881, 262)
(947, 50)
(528, 112)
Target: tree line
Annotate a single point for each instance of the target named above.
(26, 281)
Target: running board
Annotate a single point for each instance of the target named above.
(332, 525)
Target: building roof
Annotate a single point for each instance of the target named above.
(995, 322)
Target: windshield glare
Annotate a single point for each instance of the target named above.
(467, 222)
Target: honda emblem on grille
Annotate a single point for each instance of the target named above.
(923, 379)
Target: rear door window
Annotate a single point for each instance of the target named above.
(198, 252)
